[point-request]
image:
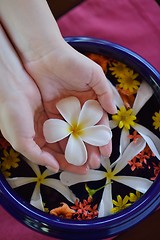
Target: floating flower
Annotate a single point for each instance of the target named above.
(134, 197)
(156, 170)
(63, 211)
(118, 69)
(10, 159)
(123, 119)
(156, 119)
(110, 174)
(120, 204)
(79, 126)
(135, 164)
(41, 178)
(99, 59)
(128, 82)
(84, 209)
(5, 171)
(134, 136)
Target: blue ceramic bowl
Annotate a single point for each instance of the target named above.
(98, 228)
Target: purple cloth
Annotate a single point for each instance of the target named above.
(135, 24)
(132, 23)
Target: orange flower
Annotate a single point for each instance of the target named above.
(127, 97)
(134, 136)
(84, 210)
(64, 211)
(99, 59)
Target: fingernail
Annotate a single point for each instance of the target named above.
(55, 170)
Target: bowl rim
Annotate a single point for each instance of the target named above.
(125, 219)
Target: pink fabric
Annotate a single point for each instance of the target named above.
(132, 23)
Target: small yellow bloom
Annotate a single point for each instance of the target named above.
(5, 172)
(156, 119)
(134, 197)
(128, 82)
(120, 204)
(118, 69)
(10, 159)
(124, 118)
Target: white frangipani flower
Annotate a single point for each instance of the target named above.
(78, 124)
(144, 93)
(138, 183)
(41, 178)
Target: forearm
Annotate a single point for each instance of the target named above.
(10, 67)
(31, 27)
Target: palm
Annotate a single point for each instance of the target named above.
(64, 77)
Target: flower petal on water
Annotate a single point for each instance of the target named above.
(55, 130)
(106, 204)
(69, 108)
(90, 114)
(75, 152)
(116, 96)
(131, 151)
(70, 179)
(20, 181)
(58, 186)
(151, 139)
(143, 95)
(138, 183)
(98, 135)
(36, 198)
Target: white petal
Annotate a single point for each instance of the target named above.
(152, 140)
(36, 199)
(106, 204)
(69, 108)
(124, 140)
(98, 135)
(55, 130)
(20, 181)
(138, 183)
(131, 151)
(47, 173)
(58, 186)
(75, 152)
(34, 166)
(105, 161)
(90, 114)
(112, 124)
(143, 95)
(70, 179)
(116, 96)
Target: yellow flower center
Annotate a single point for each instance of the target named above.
(40, 179)
(109, 175)
(76, 130)
(124, 118)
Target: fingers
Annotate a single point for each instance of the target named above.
(93, 157)
(33, 152)
(100, 84)
(64, 165)
(105, 150)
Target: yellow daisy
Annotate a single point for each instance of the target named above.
(124, 118)
(118, 69)
(156, 119)
(120, 204)
(128, 81)
(10, 159)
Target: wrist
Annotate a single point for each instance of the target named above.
(33, 30)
